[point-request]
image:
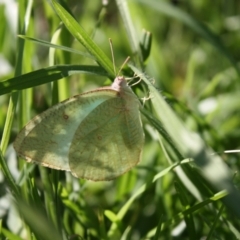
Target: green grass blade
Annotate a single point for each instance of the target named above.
(183, 196)
(14, 97)
(51, 45)
(79, 33)
(216, 221)
(10, 180)
(46, 75)
(128, 24)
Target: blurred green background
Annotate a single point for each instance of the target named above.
(193, 63)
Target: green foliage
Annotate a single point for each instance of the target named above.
(186, 186)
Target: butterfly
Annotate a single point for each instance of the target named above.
(96, 135)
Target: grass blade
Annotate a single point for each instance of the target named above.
(46, 75)
(79, 33)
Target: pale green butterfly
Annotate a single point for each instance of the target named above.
(96, 135)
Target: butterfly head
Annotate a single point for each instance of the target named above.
(119, 83)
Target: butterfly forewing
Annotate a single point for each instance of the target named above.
(47, 137)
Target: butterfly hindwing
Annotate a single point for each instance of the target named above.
(108, 142)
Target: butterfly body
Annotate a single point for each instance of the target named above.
(96, 135)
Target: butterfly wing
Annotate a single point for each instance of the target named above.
(46, 138)
(109, 141)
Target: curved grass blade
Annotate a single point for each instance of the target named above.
(51, 45)
(46, 75)
(79, 33)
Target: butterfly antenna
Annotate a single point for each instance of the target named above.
(114, 66)
(127, 59)
(111, 47)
